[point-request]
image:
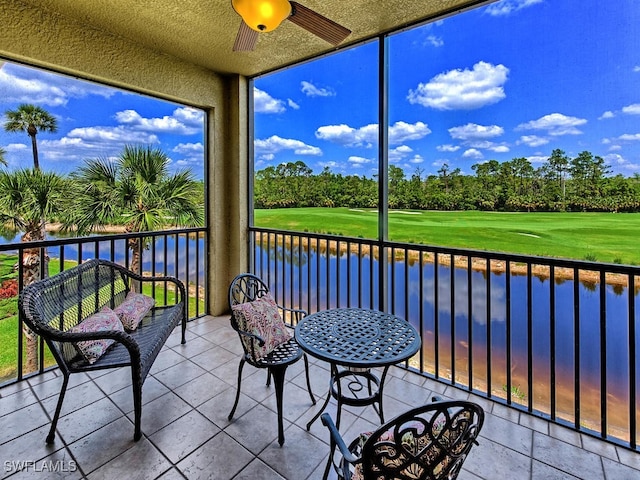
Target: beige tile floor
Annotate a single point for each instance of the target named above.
(187, 435)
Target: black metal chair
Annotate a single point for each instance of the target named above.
(246, 288)
(426, 443)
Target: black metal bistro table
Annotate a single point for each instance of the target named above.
(357, 340)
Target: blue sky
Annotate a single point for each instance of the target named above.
(95, 121)
(517, 78)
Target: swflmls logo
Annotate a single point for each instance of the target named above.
(61, 466)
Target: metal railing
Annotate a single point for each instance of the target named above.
(556, 338)
(179, 253)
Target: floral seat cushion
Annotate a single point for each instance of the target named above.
(262, 317)
(423, 445)
(104, 320)
(133, 309)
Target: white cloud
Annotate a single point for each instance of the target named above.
(507, 7)
(499, 148)
(434, 41)
(630, 137)
(607, 114)
(401, 132)
(473, 131)
(621, 163)
(359, 161)
(367, 136)
(533, 140)
(120, 135)
(555, 124)
(189, 149)
(182, 122)
(636, 68)
(632, 109)
(293, 104)
(417, 159)
(275, 144)
(448, 148)
(310, 90)
(398, 153)
(537, 159)
(30, 85)
(265, 103)
(462, 89)
(472, 153)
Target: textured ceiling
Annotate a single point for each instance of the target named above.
(202, 32)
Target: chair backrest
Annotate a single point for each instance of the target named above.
(428, 442)
(246, 287)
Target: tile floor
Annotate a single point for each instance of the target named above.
(187, 435)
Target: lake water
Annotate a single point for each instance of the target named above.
(322, 278)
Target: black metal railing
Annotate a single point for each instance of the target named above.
(178, 252)
(554, 337)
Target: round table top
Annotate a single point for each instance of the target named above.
(357, 337)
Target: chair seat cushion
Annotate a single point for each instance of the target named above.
(133, 309)
(261, 317)
(415, 442)
(104, 320)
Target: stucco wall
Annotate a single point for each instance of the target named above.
(41, 39)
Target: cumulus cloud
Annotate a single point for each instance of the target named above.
(632, 109)
(310, 90)
(462, 89)
(555, 124)
(607, 114)
(473, 131)
(275, 144)
(533, 140)
(29, 85)
(359, 161)
(448, 148)
(507, 7)
(629, 137)
(189, 149)
(472, 153)
(265, 103)
(367, 136)
(184, 121)
(293, 104)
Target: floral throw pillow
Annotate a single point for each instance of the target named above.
(262, 317)
(104, 320)
(133, 309)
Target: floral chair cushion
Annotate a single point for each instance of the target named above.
(133, 309)
(104, 320)
(262, 317)
(421, 446)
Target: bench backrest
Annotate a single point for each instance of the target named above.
(62, 301)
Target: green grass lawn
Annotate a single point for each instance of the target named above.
(601, 237)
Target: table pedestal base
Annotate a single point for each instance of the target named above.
(355, 387)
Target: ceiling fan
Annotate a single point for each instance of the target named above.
(265, 15)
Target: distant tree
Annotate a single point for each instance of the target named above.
(31, 119)
(28, 197)
(135, 190)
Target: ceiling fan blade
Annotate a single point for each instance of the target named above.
(321, 26)
(246, 39)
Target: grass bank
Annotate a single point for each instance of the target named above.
(600, 237)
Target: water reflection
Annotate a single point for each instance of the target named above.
(482, 328)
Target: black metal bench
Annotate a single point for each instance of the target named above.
(52, 306)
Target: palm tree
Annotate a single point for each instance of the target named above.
(2, 160)
(136, 189)
(31, 119)
(27, 197)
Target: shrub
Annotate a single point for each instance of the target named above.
(9, 288)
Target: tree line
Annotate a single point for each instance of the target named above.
(560, 184)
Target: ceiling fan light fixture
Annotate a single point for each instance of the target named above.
(262, 15)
